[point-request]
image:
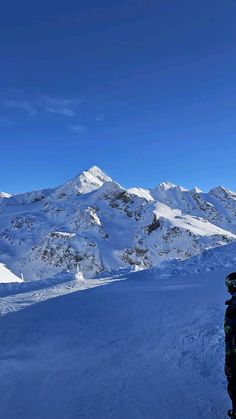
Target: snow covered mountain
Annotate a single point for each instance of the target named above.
(93, 224)
(4, 195)
(217, 206)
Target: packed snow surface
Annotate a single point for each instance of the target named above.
(140, 347)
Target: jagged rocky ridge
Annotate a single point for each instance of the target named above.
(94, 224)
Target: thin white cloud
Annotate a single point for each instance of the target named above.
(23, 105)
(77, 128)
(51, 104)
(58, 105)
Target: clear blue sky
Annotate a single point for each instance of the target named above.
(145, 89)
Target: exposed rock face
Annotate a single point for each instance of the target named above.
(93, 224)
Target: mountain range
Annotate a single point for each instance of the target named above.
(93, 225)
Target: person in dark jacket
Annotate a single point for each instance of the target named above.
(230, 341)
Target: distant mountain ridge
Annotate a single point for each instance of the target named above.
(93, 224)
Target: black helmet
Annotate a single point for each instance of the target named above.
(230, 282)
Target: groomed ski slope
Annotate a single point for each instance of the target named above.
(140, 348)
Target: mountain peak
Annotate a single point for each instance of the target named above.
(195, 190)
(5, 195)
(164, 186)
(93, 178)
(85, 182)
(219, 190)
(95, 171)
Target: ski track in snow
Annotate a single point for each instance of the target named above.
(137, 348)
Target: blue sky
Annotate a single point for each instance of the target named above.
(144, 89)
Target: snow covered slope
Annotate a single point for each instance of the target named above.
(93, 223)
(142, 348)
(7, 276)
(217, 206)
(5, 195)
(223, 257)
